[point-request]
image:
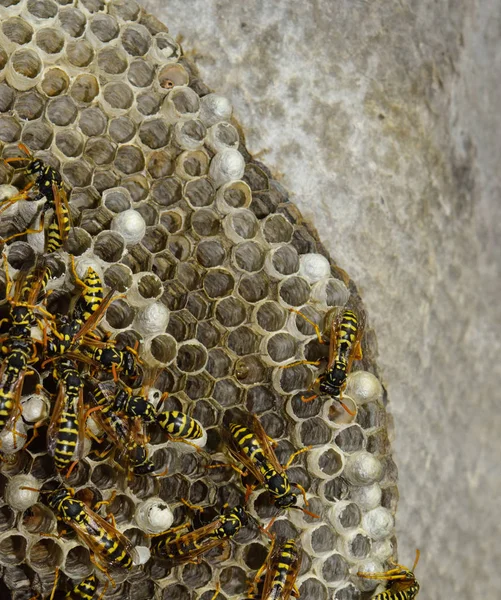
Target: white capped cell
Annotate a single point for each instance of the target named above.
(314, 267)
(227, 165)
(214, 109)
(364, 387)
(363, 468)
(131, 225)
(17, 496)
(153, 515)
(152, 319)
(378, 523)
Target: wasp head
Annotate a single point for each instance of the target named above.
(287, 501)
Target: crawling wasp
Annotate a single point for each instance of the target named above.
(109, 547)
(17, 344)
(190, 546)
(127, 439)
(345, 346)
(282, 567)
(65, 435)
(49, 184)
(92, 294)
(252, 447)
(403, 583)
(84, 590)
(179, 426)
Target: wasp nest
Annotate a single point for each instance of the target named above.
(209, 256)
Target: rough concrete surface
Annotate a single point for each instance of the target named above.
(383, 120)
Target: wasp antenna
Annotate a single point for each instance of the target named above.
(418, 554)
(306, 512)
(350, 412)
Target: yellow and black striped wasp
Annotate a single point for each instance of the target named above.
(92, 294)
(282, 568)
(250, 445)
(403, 583)
(84, 590)
(126, 435)
(49, 185)
(179, 426)
(66, 432)
(109, 548)
(189, 547)
(344, 347)
(17, 345)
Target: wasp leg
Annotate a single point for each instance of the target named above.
(56, 579)
(161, 474)
(216, 593)
(173, 530)
(184, 441)
(26, 231)
(193, 507)
(263, 567)
(357, 352)
(97, 564)
(293, 456)
(301, 362)
(234, 467)
(105, 588)
(312, 323)
(98, 505)
(248, 491)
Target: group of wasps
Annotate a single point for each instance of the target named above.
(90, 376)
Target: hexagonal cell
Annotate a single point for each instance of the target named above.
(118, 277)
(38, 519)
(17, 30)
(191, 357)
(210, 253)
(253, 288)
(181, 104)
(12, 549)
(109, 246)
(249, 256)
(78, 564)
(182, 325)
(350, 439)
(240, 225)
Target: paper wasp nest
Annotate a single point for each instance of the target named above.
(210, 255)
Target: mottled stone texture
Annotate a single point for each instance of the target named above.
(383, 119)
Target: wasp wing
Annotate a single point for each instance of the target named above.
(91, 531)
(52, 431)
(62, 211)
(276, 563)
(265, 443)
(194, 543)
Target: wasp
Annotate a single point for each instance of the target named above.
(344, 347)
(282, 567)
(403, 583)
(85, 590)
(109, 547)
(18, 345)
(190, 546)
(92, 294)
(252, 447)
(49, 185)
(65, 435)
(125, 435)
(179, 426)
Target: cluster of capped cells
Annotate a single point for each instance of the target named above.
(208, 257)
